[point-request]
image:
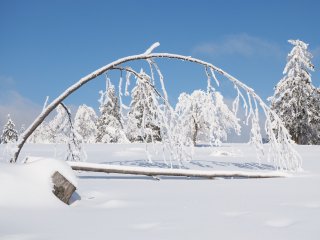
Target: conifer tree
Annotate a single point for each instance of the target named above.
(143, 123)
(85, 123)
(295, 99)
(58, 128)
(109, 124)
(9, 133)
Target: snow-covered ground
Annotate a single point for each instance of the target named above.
(113, 206)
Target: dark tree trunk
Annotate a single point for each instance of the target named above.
(195, 133)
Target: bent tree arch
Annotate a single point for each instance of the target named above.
(281, 151)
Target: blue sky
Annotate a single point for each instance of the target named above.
(45, 46)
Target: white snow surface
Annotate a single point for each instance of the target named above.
(114, 206)
(30, 185)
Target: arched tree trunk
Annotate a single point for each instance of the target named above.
(285, 156)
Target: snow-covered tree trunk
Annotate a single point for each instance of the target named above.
(156, 172)
(195, 131)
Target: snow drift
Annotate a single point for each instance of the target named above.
(30, 184)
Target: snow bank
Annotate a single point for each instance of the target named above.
(30, 184)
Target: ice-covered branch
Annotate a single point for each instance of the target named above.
(74, 143)
(152, 47)
(45, 103)
(130, 70)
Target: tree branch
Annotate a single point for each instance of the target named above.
(128, 69)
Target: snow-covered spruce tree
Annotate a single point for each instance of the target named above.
(58, 128)
(109, 124)
(204, 116)
(295, 98)
(9, 132)
(143, 122)
(85, 122)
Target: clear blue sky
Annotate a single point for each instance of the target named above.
(45, 46)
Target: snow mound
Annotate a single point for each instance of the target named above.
(219, 153)
(280, 223)
(30, 184)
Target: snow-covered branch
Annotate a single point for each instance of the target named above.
(73, 141)
(152, 47)
(130, 70)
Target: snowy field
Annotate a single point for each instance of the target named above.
(113, 206)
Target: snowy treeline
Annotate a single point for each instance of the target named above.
(151, 118)
(200, 116)
(296, 100)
